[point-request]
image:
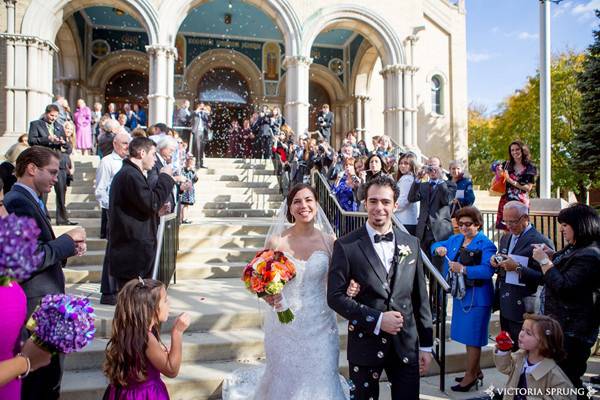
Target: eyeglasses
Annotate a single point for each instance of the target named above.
(514, 222)
(465, 224)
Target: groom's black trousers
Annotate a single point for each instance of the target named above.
(404, 379)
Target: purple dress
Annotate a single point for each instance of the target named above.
(12, 318)
(83, 128)
(153, 388)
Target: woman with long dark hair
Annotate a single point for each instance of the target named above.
(407, 212)
(571, 284)
(520, 176)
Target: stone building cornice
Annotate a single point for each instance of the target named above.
(18, 39)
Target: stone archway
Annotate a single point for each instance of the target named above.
(382, 37)
(173, 13)
(222, 58)
(110, 65)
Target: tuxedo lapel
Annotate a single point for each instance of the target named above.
(367, 248)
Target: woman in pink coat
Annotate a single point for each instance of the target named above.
(83, 127)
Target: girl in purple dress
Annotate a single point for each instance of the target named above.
(136, 357)
(83, 127)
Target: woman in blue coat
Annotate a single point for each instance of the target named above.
(468, 253)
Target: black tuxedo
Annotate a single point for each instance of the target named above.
(403, 289)
(324, 124)
(49, 278)
(134, 206)
(509, 298)
(434, 210)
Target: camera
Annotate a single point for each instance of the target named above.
(429, 169)
(499, 258)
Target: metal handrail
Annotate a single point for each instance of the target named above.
(165, 261)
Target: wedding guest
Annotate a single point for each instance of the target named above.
(325, 120)
(342, 188)
(122, 119)
(46, 131)
(139, 115)
(135, 354)
(188, 197)
(541, 347)
(83, 127)
(235, 140)
(107, 169)
(65, 176)
(247, 139)
(518, 274)
(131, 122)
(112, 111)
(105, 140)
(7, 168)
(134, 207)
(13, 370)
(37, 170)
(406, 211)
(96, 123)
(467, 254)
(184, 115)
(376, 167)
(465, 196)
(571, 280)
(520, 175)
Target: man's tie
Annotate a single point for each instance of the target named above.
(388, 237)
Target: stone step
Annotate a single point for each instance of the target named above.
(216, 210)
(194, 255)
(87, 176)
(236, 187)
(203, 380)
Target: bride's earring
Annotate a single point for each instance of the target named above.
(293, 219)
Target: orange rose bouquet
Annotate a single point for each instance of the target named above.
(267, 274)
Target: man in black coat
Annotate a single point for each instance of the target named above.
(325, 122)
(37, 169)
(434, 223)
(49, 133)
(389, 319)
(134, 205)
(518, 278)
(264, 124)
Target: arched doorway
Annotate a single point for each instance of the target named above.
(228, 94)
(127, 87)
(317, 96)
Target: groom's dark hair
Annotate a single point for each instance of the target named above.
(384, 181)
(292, 194)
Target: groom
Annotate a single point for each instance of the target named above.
(389, 319)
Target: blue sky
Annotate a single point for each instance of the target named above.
(503, 42)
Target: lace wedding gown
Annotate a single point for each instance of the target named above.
(302, 356)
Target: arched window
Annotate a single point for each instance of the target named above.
(436, 95)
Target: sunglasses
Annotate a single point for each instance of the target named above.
(465, 224)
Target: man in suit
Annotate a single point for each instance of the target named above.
(518, 279)
(134, 205)
(184, 115)
(112, 111)
(49, 133)
(389, 319)
(199, 137)
(434, 223)
(165, 150)
(265, 132)
(37, 169)
(325, 122)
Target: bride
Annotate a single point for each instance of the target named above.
(302, 356)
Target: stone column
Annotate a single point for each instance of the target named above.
(393, 107)
(358, 113)
(160, 91)
(296, 95)
(10, 15)
(365, 116)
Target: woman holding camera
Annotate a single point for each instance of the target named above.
(407, 212)
(571, 283)
(467, 257)
(344, 184)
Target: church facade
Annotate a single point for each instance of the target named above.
(385, 67)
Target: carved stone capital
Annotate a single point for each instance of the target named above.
(161, 50)
(297, 60)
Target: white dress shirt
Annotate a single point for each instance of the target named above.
(108, 168)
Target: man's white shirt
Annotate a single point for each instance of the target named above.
(108, 168)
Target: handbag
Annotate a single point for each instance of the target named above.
(469, 258)
(498, 184)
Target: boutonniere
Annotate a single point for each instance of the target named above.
(403, 251)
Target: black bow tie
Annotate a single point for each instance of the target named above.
(388, 237)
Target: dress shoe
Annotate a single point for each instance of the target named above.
(479, 376)
(466, 388)
(67, 222)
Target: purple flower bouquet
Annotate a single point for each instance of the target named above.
(62, 323)
(19, 257)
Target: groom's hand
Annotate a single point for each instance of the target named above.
(424, 361)
(392, 322)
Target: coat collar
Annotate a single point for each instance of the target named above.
(543, 369)
(369, 251)
(33, 200)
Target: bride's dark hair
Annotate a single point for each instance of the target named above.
(290, 197)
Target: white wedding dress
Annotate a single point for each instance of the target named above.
(302, 356)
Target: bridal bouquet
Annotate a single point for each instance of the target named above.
(267, 274)
(62, 323)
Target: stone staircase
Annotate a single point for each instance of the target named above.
(235, 202)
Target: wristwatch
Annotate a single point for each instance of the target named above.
(518, 269)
